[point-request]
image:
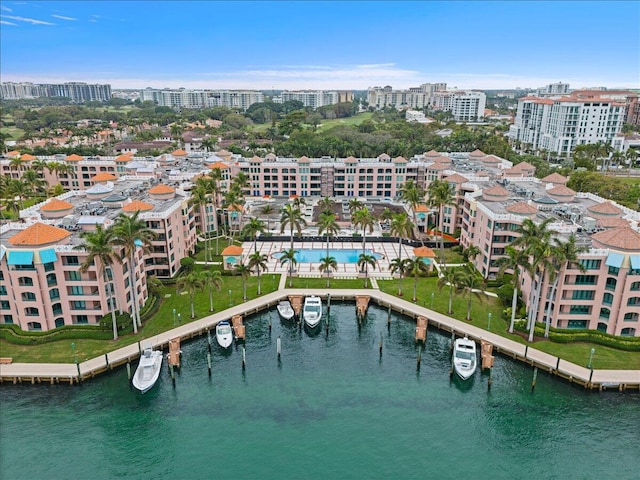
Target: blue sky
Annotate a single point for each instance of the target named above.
(297, 45)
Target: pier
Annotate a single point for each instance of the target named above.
(238, 327)
(362, 304)
(421, 329)
(296, 303)
(174, 353)
(74, 373)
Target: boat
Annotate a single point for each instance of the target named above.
(224, 334)
(312, 311)
(148, 369)
(464, 357)
(285, 310)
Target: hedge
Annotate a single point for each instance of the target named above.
(12, 333)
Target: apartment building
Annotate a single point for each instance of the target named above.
(314, 98)
(198, 99)
(382, 97)
(553, 89)
(465, 106)
(78, 92)
(559, 124)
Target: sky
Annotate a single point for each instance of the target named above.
(321, 45)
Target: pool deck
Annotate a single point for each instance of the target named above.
(75, 373)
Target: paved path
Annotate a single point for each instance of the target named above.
(69, 372)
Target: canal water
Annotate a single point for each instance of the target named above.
(330, 409)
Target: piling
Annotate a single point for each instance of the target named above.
(557, 364)
(490, 380)
(209, 362)
(380, 345)
(269, 326)
(278, 348)
(453, 340)
(79, 374)
(209, 338)
(244, 358)
(106, 359)
(328, 303)
(173, 375)
(129, 370)
(389, 319)
(535, 376)
(526, 349)
(419, 359)
(421, 329)
(139, 348)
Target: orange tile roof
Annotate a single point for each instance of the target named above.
(125, 157)
(522, 208)
(161, 189)
(496, 191)
(561, 190)
(432, 153)
(605, 208)
(422, 208)
(232, 250)
(219, 165)
(103, 177)
(179, 153)
(456, 178)
(39, 234)
(27, 158)
(477, 153)
(612, 222)
(55, 205)
(537, 100)
(399, 160)
(555, 177)
(351, 160)
(13, 153)
(236, 208)
(491, 159)
(255, 159)
(136, 206)
(437, 166)
(424, 252)
(74, 158)
(625, 238)
(522, 166)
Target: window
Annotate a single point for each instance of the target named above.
(583, 295)
(611, 284)
(49, 266)
(607, 299)
(628, 332)
(635, 286)
(54, 294)
(70, 260)
(25, 282)
(3, 290)
(59, 322)
(631, 317)
(605, 313)
(78, 305)
(34, 326)
(73, 276)
(52, 280)
(4, 305)
(76, 290)
(590, 264)
(580, 310)
(31, 312)
(585, 279)
(633, 301)
(28, 297)
(602, 327)
(577, 324)
(613, 271)
(81, 319)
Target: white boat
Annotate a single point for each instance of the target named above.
(148, 369)
(285, 310)
(464, 357)
(224, 334)
(312, 311)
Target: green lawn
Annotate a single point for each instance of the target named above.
(222, 244)
(14, 132)
(355, 120)
(322, 283)
(629, 180)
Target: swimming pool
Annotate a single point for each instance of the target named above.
(306, 255)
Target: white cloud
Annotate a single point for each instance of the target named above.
(28, 20)
(5, 9)
(4, 22)
(62, 17)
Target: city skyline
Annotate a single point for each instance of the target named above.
(321, 45)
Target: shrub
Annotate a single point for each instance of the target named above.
(560, 335)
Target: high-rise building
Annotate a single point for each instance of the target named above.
(196, 99)
(553, 89)
(313, 98)
(77, 91)
(465, 106)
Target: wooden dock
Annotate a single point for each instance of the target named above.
(174, 352)
(238, 327)
(296, 303)
(362, 304)
(486, 354)
(73, 373)
(421, 329)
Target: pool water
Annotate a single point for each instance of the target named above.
(305, 255)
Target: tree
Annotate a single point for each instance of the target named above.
(268, 210)
(354, 205)
(413, 194)
(327, 264)
(131, 233)
(449, 278)
(401, 226)
(258, 261)
(191, 284)
(515, 260)
(416, 267)
(291, 217)
(34, 182)
(398, 266)
(469, 283)
(326, 205)
(471, 252)
(289, 256)
(440, 194)
(364, 262)
(100, 252)
(328, 225)
(245, 272)
(211, 279)
(252, 228)
(363, 218)
(199, 199)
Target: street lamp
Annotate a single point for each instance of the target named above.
(230, 302)
(593, 350)
(179, 318)
(73, 349)
(432, 295)
(174, 317)
(489, 324)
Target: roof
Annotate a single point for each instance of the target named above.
(424, 252)
(125, 157)
(39, 234)
(611, 222)
(456, 178)
(13, 153)
(491, 159)
(432, 153)
(625, 238)
(179, 153)
(522, 208)
(232, 250)
(55, 205)
(477, 153)
(351, 160)
(496, 191)
(437, 166)
(114, 197)
(255, 159)
(605, 208)
(99, 188)
(522, 166)
(536, 100)
(27, 158)
(161, 189)
(74, 158)
(136, 206)
(555, 177)
(103, 177)
(399, 160)
(561, 190)
(219, 165)
(422, 208)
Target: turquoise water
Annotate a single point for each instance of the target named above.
(331, 409)
(341, 256)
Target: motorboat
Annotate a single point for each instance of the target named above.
(224, 334)
(312, 311)
(285, 310)
(148, 369)
(464, 357)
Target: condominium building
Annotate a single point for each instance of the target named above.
(465, 106)
(553, 89)
(197, 99)
(559, 124)
(314, 98)
(77, 91)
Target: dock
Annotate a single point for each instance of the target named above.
(362, 304)
(73, 373)
(421, 329)
(486, 354)
(174, 352)
(296, 303)
(238, 327)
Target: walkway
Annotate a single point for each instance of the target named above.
(601, 379)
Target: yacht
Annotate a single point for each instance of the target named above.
(224, 334)
(285, 310)
(312, 311)
(464, 357)
(148, 369)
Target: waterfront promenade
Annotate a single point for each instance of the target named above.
(74, 373)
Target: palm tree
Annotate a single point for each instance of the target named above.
(448, 277)
(440, 195)
(34, 182)
(471, 252)
(325, 205)
(252, 228)
(55, 190)
(17, 188)
(268, 210)
(245, 272)
(363, 218)
(100, 252)
(401, 226)
(355, 205)
(291, 217)
(563, 254)
(191, 284)
(413, 194)
(289, 256)
(469, 283)
(364, 262)
(515, 259)
(399, 265)
(212, 279)
(328, 225)
(132, 233)
(258, 261)
(416, 267)
(327, 264)
(198, 199)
